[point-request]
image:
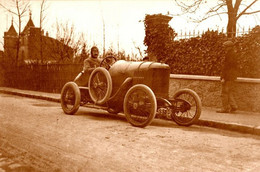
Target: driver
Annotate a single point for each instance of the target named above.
(89, 65)
(92, 62)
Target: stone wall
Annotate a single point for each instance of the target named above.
(247, 90)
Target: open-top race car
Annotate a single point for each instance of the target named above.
(140, 90)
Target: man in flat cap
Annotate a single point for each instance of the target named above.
(228, 77)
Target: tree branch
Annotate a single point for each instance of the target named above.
(244, 11)
(205, 18)
(27, 5)
(253, 12)
(237, 4)
(8, 9)
(189, 8)
(216, 8)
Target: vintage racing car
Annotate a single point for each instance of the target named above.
(140, 90)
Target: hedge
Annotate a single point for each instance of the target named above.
(201, 55)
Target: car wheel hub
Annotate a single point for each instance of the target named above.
(135, 105)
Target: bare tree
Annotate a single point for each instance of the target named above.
(43, 15)
(43, 9)
(233, 8)
(19, 9)
(67, 45)
(83, 54)
(104, 35)
(104, 30)
(139, 49)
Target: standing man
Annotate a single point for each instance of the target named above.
(228, 77)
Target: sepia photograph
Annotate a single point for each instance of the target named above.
(129, 85)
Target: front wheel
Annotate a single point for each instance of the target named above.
(187, 107)
(70, 98)
(140, 105)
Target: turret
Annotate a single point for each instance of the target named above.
(10, 42)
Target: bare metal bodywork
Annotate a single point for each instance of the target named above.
(138, 89)
(154, 75)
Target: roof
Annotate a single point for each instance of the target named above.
(11, 31)
(28, 25)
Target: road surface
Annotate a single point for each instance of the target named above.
(38, 135)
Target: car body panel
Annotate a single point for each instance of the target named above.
(153, 74)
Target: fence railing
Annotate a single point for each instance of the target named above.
(196, 33)
(48, 78)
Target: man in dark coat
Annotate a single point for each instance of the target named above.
(89, 65)
(92, 62)
(228, 77)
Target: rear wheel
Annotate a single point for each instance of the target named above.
(70, 98)
(140, 105)
(187, 107)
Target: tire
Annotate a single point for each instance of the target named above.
(187, 107)
(100, 86)
(140, 105)
(70, 98)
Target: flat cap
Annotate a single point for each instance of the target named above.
(228, 44)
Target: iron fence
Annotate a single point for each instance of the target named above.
(48, 78)
(197, 33)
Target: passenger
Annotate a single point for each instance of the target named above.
(89, 65)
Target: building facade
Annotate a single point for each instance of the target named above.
(34, 46)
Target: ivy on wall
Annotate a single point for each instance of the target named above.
(199, 55)
(158, 36)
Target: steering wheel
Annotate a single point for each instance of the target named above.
(108, 61)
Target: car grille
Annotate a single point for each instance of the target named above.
(160, 82)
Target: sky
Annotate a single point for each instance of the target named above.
(122, 20)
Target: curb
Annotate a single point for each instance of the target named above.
(31, 96)
(246, 129)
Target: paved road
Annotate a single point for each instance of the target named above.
(240, 121)
(9, 163)
(37, 135)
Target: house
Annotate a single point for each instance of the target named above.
(1, 55)
(34, 46)
(10, 43)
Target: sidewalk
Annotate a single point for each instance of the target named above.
(240, 121)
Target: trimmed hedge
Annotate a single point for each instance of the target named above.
(248, 48)
(200, 55)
